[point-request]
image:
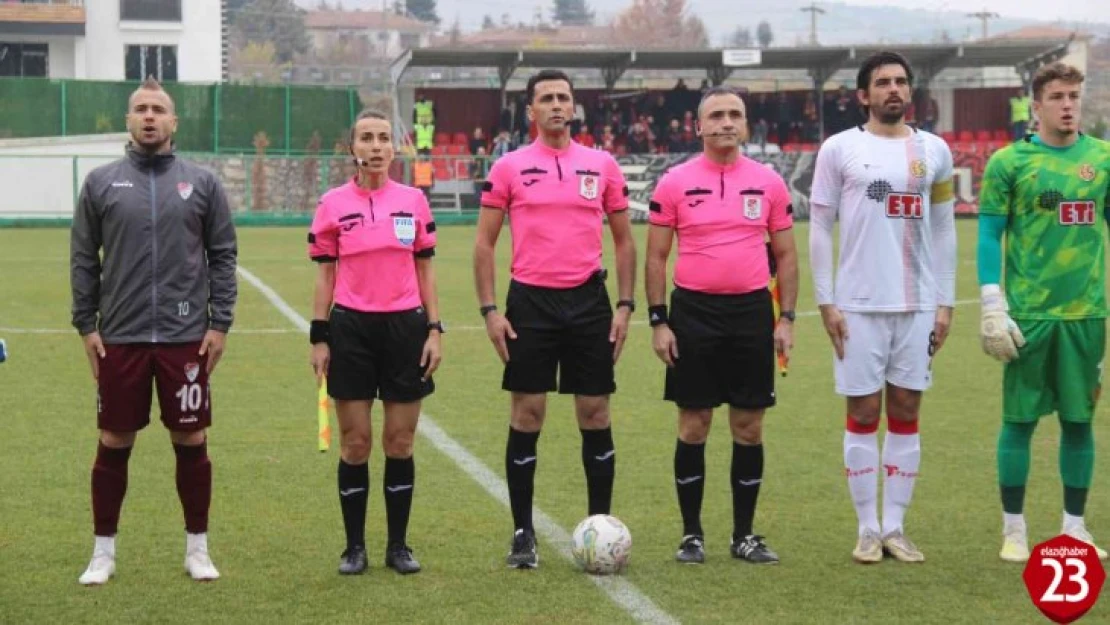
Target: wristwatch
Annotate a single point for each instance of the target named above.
(485, 310)
(787, 314)
(436, 325)
(630, 304)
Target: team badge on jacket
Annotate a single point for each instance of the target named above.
(405, 229)
(184, 189)
(191, 371)
(753, 206)
(587, 187)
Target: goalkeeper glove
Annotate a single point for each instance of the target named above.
(998, 333)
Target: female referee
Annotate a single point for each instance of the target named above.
(375, 330)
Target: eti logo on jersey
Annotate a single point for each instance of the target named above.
(905, 206)
(1078, 213)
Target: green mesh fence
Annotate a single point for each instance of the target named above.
(211, 118)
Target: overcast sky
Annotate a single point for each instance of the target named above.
(1049, 10)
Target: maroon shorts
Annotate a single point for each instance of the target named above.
(127, 374)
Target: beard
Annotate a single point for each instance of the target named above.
(889, 114)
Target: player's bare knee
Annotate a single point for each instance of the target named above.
(693, 426)
(903, 404)
(397, 443)
(189, 439)
(592, 413)
(355, 447)
(747, 427)
(528, 412)
(117, 440)
(865, 410)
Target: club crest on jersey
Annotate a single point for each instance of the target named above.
(191, 371)
(1086, 172)
(405, 229)
(917, 168)
(587, 187)
(184, 189)
(753, 206)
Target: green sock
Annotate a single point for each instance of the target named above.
(1013, 463)
(1077, 464)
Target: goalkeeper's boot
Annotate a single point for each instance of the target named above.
(691, 551)
(1015, 544)
(902, 548)
(103, 564)
(753, 549)
(398, 556)
(197, 562)
(522, 554)
(353, 561)
(1080, 533)
(869, 548)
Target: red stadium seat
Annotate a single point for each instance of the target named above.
(442, 171)
(996, 145)
(460, 138)
(1001, 134)
(948, 136)
(457, 149)
(983, 136)
(966, 136)
(442, 138)
(439, 150)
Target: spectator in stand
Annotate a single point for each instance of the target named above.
(689, 133)
(842, 114)
(1019, 114)
(759, 130)
(424, 135)
(583, 137)
(477, 140)
(423, 174)
(578, 122)
(608, 140)
(639, 140)
(784, 117)
(811, 125)
(502, 145)
(660, 112)
(675, 143)
(424, 111)
(479, 168)
(929, 111)
(505, 121)
(616, 117)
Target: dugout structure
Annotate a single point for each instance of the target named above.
(820, 62)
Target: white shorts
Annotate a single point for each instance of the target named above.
(885, 347)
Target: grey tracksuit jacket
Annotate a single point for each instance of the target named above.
(167, 273)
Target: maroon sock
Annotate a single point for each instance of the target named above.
(109, 485)
(194, 485)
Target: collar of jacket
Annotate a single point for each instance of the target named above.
(142, 160)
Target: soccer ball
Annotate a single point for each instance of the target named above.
(602, 545)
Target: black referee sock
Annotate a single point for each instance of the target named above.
(354, 481)
(689, 479)
(599, 458)
(747, 475)
(398, 483)
(520, 473)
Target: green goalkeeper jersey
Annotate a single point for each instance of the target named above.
(1054, 201)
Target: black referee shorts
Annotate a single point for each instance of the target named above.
(726, 350)
(564, 330)
(377, 355)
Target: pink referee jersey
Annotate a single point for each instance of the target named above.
(722, 215)
(375, 236)
(556, 200)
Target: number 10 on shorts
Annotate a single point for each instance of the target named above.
(1064, 578)
(190, 396)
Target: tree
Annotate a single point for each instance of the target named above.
(423, 10)
(572, 13)
(487, 22)
(764, 35)
(740, 38)
(664, 23)
(278, 21)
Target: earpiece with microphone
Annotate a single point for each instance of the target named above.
(361, 162)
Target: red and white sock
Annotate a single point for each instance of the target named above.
(861, 465)
(901, 460)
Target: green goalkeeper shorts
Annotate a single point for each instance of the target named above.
(1059, 370)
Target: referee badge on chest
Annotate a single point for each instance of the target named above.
(753, 206)
(404, 227)
(587, 186)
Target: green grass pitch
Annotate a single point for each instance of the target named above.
(276, 531)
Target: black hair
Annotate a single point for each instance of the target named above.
(877, 60)
(542, 75)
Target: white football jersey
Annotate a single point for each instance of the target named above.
(881, 190)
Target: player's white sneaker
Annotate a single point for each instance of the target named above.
(902, 548)
(869, 548)
(103, 564)
(1015, 544)
(1080, 533)
(197, 562)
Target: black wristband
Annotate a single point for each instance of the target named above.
(485, 310)
(319, 331)
(657, 315)
(627, 303)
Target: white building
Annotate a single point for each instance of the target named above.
(173, 40)
(385, 34)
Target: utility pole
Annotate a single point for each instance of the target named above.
(813, 10)
(984, 16)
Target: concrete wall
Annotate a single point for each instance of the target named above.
(39, 175)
